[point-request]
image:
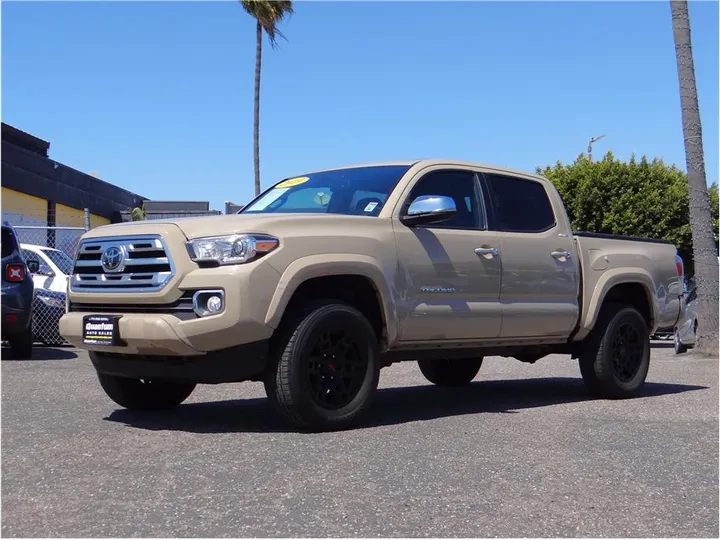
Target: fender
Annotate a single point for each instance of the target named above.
(607, 281)
(315, 266)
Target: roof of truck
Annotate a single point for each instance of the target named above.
(429, 162)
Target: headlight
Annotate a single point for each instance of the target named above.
(231, 249)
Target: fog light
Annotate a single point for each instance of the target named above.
(208, 302)
(214, 304)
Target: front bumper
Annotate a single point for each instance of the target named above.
(235, 364)
(145, 330)
(167, 335)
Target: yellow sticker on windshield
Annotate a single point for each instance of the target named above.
(291, 182)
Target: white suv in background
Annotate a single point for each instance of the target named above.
(55, 267)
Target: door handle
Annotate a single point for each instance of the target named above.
(492, 251)
(561, 254)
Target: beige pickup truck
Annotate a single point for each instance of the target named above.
(327, 277)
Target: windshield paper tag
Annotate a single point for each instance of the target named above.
(371, 206)
(292, 182)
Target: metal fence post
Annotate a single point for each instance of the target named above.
(87, 219)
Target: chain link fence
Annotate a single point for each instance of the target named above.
(54, 248)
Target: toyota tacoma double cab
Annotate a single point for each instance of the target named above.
(327, 277)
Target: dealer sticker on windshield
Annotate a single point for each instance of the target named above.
(292, 182)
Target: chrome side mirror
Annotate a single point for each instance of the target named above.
(429, 209)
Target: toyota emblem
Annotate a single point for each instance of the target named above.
(112, 259)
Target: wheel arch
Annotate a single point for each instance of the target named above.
(355, 279)
(634, 287)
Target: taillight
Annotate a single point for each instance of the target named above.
(679, 266)
(15, 272)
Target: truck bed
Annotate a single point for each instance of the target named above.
(609, 259)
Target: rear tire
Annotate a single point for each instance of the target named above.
(21, 345)
(615, 358)
(324, 367)
(145, 395)
(443, 372)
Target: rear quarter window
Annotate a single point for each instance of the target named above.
(519, 205)
(9, 242)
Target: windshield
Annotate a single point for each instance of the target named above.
(360, 191)
(59, 259)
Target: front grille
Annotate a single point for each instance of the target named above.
(127, 264)
(182, 308)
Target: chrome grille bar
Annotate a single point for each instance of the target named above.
(145, 265)
(128, 262)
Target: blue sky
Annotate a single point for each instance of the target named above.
(158, 97)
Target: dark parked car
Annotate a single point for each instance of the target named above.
(17, 295)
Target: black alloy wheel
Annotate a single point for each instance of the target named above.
(324, 366)
(336, 369)
(615, 358)
(627, 351)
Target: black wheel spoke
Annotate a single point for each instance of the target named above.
(627, 352)
(336, 369)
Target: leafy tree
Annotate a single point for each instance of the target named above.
(636, 198)
(268, 14)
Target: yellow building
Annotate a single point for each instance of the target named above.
(50, 203)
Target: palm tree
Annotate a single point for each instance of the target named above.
(268, 14)
(705, 253)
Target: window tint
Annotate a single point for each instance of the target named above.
(519, 205)
(459, 186)
(9, 243)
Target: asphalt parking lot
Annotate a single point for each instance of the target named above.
(521, 452)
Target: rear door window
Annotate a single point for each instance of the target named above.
(519, 204)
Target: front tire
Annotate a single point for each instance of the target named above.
(615, 359)
(442, 372)
(145, 395)
(324, 368)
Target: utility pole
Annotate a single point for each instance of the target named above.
(593, 140)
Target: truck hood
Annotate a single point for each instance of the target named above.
(197, 227)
